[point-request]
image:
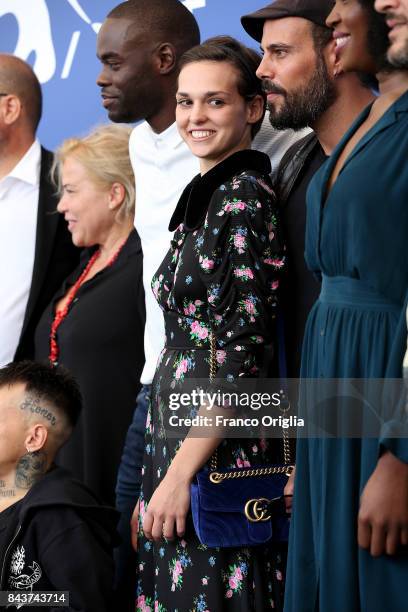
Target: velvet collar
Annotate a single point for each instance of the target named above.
(193, 203)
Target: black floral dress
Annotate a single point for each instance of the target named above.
(221, 275)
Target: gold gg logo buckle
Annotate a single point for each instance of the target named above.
(256, 511)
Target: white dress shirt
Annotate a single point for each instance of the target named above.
(19, 192)
(163, 166)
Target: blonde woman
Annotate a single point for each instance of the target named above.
(94, 324)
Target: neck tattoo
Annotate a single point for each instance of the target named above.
(30, 468)
(6, 492)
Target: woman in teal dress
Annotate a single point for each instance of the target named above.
(356, 240)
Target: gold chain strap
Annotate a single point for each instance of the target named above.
(285, 439)
(217, 477)
(213, 358)
(213, 370)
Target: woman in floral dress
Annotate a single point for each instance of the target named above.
(221, 276)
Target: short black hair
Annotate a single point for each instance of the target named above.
(377, 40)
(244, 59)
(321, 36)
(55, 385)
(164, 20)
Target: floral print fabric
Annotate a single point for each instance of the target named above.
(222, 277)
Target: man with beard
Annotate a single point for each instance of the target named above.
(329, 505)
(304, 88)
(396, 12)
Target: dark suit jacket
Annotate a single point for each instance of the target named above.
(55, 258)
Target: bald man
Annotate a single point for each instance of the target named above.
(36, 251)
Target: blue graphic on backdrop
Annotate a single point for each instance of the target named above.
(58, 39)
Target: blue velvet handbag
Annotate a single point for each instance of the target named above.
(231, 508)
(241, 506)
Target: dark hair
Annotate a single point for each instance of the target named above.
(163, 20)
(321, 36)
(56, 386)
(377, 39)
(244, 59)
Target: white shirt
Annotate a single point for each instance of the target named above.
(163, 166)
(19, 192)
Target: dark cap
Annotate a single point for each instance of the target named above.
(313, 10)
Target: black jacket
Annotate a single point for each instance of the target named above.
(55, 257)
(291, 166)
(61, 539)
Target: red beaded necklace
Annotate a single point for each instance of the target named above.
(62, 313)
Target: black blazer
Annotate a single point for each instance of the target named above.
(55, 258)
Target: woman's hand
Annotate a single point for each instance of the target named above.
(383, 516)
(170, 502)
(168, 508)
(134, 525)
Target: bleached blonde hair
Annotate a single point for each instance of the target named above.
(104, 153)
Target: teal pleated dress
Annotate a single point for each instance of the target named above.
(357, 240)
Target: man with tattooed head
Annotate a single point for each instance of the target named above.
(54, 534)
